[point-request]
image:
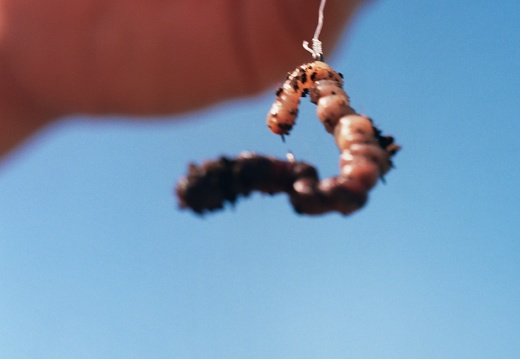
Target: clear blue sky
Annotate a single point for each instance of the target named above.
(97, 262)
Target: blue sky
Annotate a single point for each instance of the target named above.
(96, 261)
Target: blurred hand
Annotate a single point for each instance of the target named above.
(146, 57)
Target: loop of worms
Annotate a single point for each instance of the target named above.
(365, 154)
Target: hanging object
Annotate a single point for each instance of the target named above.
(365, 153)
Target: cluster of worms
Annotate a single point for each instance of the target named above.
(365, 155)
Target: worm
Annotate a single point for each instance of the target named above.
(208, 186)
(365, 155)
(282, 116)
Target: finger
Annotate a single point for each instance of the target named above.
(158, 57)
(149, 58)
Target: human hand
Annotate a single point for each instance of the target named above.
(140, 57)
